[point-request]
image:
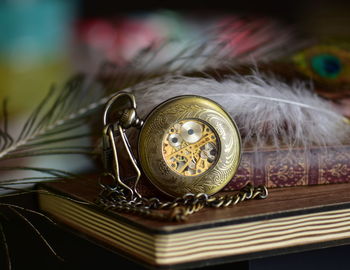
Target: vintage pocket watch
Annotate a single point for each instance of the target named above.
(188, 148)
(187, 144)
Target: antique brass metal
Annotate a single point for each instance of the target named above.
(189, 144)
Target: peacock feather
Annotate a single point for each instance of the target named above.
(328, 66)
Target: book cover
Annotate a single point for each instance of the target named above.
(298, 218)
(296, 167)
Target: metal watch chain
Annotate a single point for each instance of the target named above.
(123, 198)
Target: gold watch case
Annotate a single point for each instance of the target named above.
(189, 144)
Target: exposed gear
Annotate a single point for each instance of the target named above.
(190, 147)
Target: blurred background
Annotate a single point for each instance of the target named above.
(44, 42)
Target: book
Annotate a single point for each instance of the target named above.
(289, 220)
(295, 167)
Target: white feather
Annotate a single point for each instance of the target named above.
(266, 110)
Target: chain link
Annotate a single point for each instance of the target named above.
(116, 198)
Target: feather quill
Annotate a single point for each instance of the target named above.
(268, 111)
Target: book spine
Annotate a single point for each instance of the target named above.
(287, 168)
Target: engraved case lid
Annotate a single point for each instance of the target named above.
(189, 144)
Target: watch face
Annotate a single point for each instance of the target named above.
(190, 147)
(189, 144)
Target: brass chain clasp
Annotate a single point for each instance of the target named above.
(124, 119)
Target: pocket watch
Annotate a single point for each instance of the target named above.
(187, 144)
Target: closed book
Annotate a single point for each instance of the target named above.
(293, 167)
(289, 220)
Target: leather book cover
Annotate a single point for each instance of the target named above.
(296, 167)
